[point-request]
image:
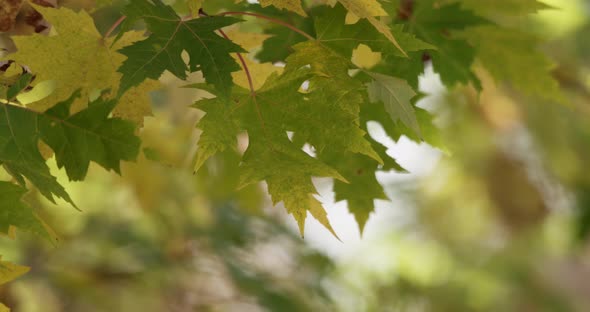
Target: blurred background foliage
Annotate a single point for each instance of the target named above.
(501, 223)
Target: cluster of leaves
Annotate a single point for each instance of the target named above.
(320, 98)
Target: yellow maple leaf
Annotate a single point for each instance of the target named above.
(75, 55)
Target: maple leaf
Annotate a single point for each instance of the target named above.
(291, 5)
(511, 55)
(363, 188)
(218, 126)
(86, 61)
(19, 153)
(429, 132)
(13, 212)
(333, 99)
(453, 57)
(89, 135)
(333, 32)
(74, 57)
(170, 36)
(369, 9)
(395, 94)
(270, 155)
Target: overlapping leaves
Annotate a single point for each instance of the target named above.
(320, 100)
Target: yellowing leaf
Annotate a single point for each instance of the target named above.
(134, 105)
(74, 58)
(85, 61)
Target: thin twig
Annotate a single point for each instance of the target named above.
(117, 23)
(244, 66)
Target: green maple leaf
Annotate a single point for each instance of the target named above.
(13, 212)
(267, 115)
(19, 152)
(429, 132)
(334, 33)
(272, 157)
(329, 118)
(396, 95)
(88, 135)
(453, 57)
(363, 188)
(511, 55)
(170, 36)
(218, 126)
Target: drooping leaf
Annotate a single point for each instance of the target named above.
(396, 95)
(88, 135)
(19, 152)
(13, 212)
(170, 36)
(363, 188)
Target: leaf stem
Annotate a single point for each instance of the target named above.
(244, 66)
(270, 19)
(114, 26)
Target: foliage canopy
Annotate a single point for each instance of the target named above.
(289, 74)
